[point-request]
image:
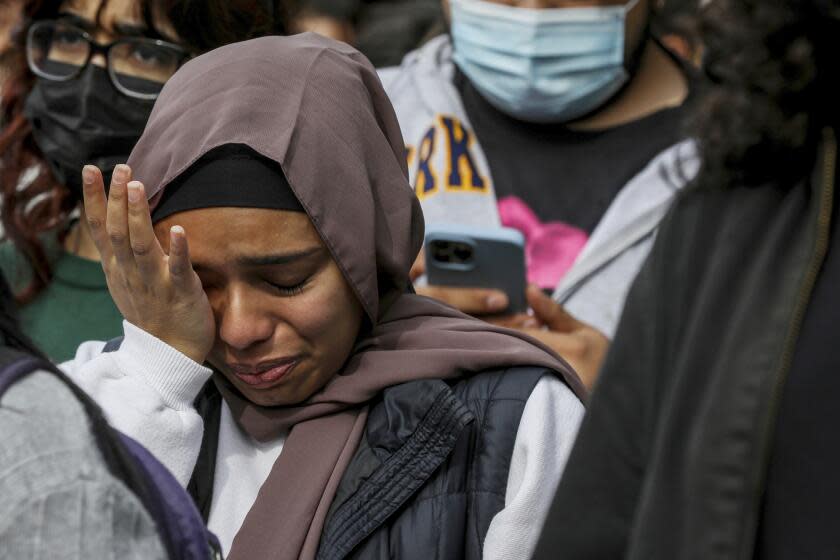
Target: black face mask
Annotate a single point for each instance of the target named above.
(84, 121)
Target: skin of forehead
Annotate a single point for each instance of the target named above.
(122, 11)
(250, 232)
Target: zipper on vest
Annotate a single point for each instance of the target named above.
(826, 202)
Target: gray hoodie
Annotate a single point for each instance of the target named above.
(59, 499)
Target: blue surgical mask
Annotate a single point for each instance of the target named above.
(551, 65)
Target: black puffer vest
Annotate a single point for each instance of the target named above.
(429, 475)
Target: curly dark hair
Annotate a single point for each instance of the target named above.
(33, 202)
(772, 90)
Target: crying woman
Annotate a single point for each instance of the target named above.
(275, 357)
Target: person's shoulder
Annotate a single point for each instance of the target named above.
(16, 266)
(532, 399)
(43, 398)
(705, 219)
(722, 202)
(666, 173)
(513, 383)
(43, 422)
(551, 393)
(12, 260)
(51, 459)
(434, 58)
(548, 386)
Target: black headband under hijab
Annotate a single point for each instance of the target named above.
(233, 175)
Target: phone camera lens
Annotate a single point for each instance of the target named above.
(463, 253)
(442, 251)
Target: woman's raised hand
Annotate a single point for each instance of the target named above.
(156, 292)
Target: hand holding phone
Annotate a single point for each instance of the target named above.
(472, 257)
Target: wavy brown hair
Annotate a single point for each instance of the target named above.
(772, 67)
(33, 202)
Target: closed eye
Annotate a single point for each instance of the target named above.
(286, 290)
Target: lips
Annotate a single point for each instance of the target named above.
(264, 375)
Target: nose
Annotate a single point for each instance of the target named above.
(241, 322)
(103, 37)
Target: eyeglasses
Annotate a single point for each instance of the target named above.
(138, 66)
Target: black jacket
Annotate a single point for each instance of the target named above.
(671, 459)
(429, 475)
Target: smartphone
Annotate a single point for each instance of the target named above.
(465, 256)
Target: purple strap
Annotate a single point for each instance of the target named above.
(13, 372)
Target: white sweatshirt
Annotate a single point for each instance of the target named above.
(147, 388)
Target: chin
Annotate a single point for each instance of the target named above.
(286, 394)
(270, 398)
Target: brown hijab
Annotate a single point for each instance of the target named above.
(317, 108)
